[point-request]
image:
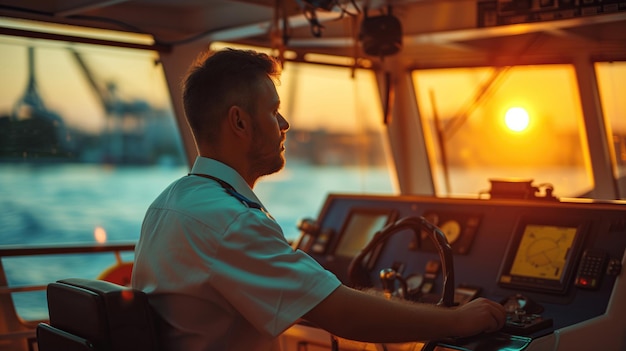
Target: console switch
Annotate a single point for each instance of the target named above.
(524, 324)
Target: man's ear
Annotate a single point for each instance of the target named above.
(238, 120)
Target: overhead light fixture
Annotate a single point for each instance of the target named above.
(381, 35)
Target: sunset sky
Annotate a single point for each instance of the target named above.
(312, 96)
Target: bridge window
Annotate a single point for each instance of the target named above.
(87, 141)
(522, 122)
(612, 84)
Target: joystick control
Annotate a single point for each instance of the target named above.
(523, 316)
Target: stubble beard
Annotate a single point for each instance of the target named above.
(264, 164)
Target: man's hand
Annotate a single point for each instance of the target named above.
(479, 316)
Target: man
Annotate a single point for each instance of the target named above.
(217, 268)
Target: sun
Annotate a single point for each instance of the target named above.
(516, 119)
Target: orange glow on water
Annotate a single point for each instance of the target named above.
(100, 235)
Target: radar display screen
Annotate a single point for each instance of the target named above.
(359, 229)
(542, 256)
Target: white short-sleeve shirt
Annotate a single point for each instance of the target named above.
(220, 274)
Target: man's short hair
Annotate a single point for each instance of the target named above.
(220, 79)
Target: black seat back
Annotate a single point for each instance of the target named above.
(107, 316)
(50, 338)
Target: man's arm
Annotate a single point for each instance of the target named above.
(357, 315)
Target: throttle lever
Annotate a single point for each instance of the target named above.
(388, 277)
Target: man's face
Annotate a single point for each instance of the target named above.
(267, 152)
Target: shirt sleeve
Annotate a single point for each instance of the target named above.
(264, 278)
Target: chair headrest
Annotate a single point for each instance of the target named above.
(102, 312)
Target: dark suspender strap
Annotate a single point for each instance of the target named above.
(231, 190)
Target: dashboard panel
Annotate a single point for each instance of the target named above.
(560, 257)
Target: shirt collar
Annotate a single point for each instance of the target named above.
(205, 165)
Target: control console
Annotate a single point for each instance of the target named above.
(552, 264)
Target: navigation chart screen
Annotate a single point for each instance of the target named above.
(542, 256)
(543, 251)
